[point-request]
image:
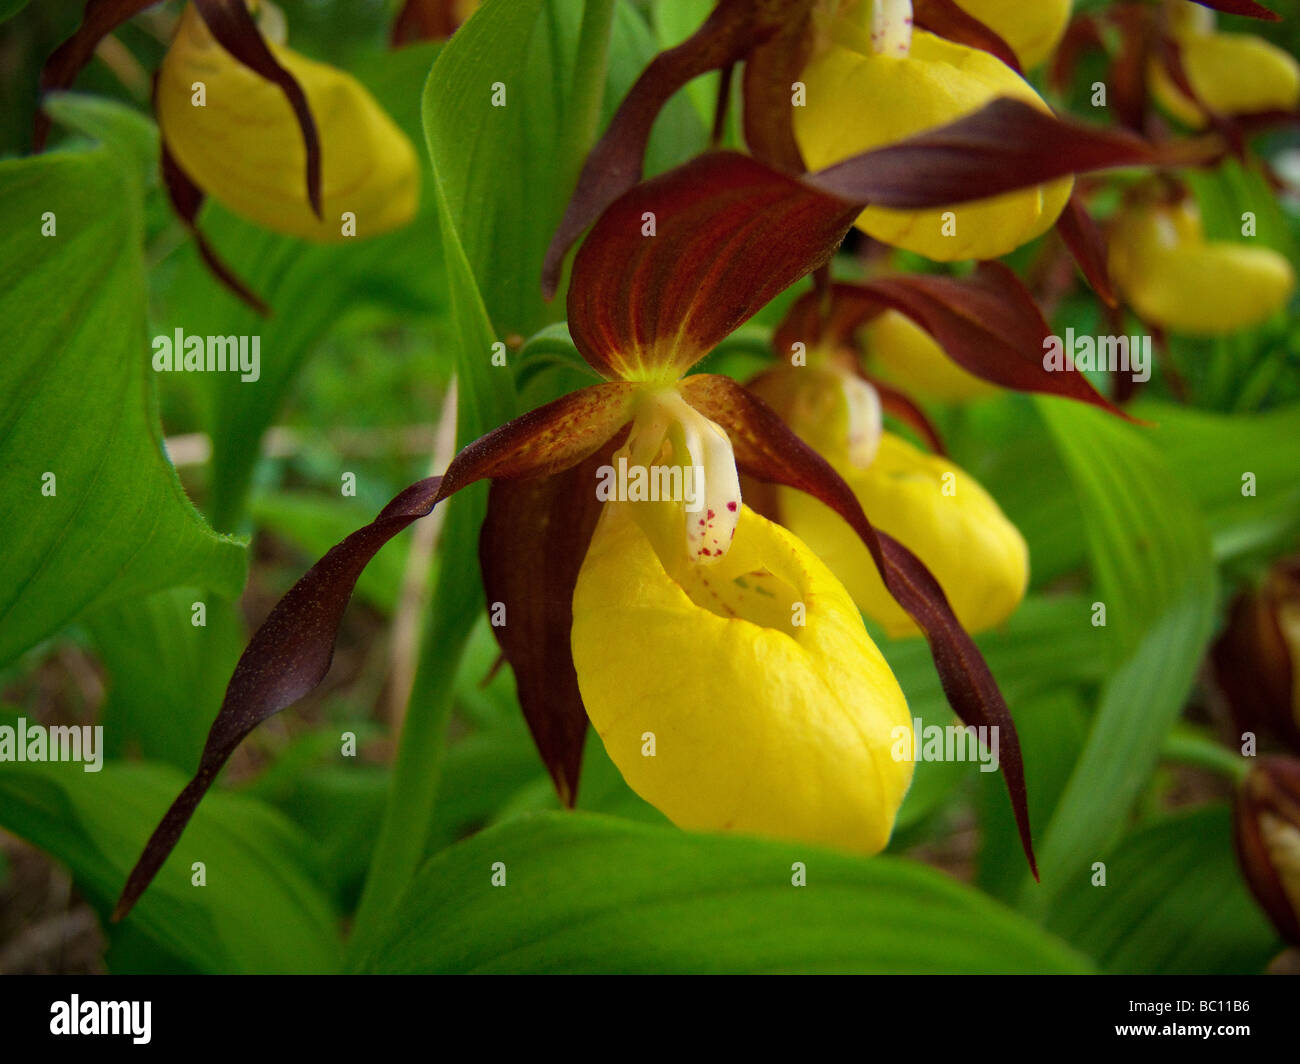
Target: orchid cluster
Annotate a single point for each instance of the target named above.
(728, 634)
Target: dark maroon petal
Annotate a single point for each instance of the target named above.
(1241, 7)
(424, 20)
(770, 73)
(236, 31)
(1081, 36)
(767, 450)
(1127, 78)
(946, 19)
(531, 549)
(287, 657)
(730, 234)
(988, 324)
(1005, 146)
(292, 650)
(547, 440)
(98, 20)
(1087, 244)
(615, 163)
(829, 318)
(186, 198)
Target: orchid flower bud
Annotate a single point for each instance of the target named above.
(1176, 279)
(1232, 73)
(1033, 30)
(235, 136)
(1267, 821)
(1257, 658)
(742, 696)
(859, 99)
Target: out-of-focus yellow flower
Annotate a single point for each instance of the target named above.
(1233, 73)
(244, 147)
(858, 100)
(937, 511)
(1173, 277)
(1033, 28)
(769, 708)
(902, 353)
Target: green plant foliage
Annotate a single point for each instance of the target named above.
(594, 894)
(79, 398)
(259, 910)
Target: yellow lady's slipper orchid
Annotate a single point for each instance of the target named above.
(1033, 29)
(941, 513)
(1232, 73)
(242, 144)
(859, 99)
(769, 708)
(1176, 279)
(903, 353)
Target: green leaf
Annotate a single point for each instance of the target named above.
(1211, 453)
(1151, 560)
(586, 893)
(260, 910)
(9, 8)
(1173, 903)
(79, 398)
(167, 676)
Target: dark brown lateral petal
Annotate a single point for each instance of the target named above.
(531, 549)
(1242, 7)
(946, 19)
(292, 650)
(186, 199)
(1005, 146)
(615, 163)
(830, 319)
(1127, 77)
(98, 20)
(988, 324)
(770, 73)
(731, 234)
(1084, 238)
(287, 657)
(236, 31)
(767, 450)
(1082, 35)
(424, 20)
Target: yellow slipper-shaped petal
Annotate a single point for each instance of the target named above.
(1033, 28)
(900, 352)
(1234, 73)
(1174, 278)
(244, 148)
(857, 100)
(759, 724)
(938, 512)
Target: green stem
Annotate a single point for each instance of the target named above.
(412, 793)
(1191, 748)
(589, 66)
(404, 832)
